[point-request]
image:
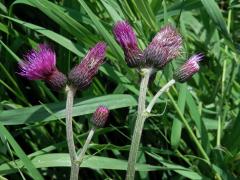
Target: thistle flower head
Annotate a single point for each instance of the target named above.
(164, 47)
(100, 116)
(82, 74)
(57, 80)
(126, 38)
(40, 64)
(188, 69)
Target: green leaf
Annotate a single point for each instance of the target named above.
(81, 107)
(93, 162)
(146, 13)
(175, 8)
(195, 115)
(103, 31)
(119, 78)
(113, 8)
(186, 172)
(63, 19)
(231, 138)
(51, 35)
(3, 8)
(215, 14)
(177, 124)
(26, 162)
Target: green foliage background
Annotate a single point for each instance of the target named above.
(32, 127)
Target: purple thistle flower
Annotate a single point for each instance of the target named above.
(188, 69)
(41, 65)
(100, 116)
(38, 64)
(82, 74)
(126, 38)
(164, 47)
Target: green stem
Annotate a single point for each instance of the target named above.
(138, 125)
(189, 129)
(85, 146)
(158, 94)
(219, 132)
(69, 130)
(221, 119)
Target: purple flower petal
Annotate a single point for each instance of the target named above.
(38, 64)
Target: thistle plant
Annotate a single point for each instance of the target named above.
(164, 47)
(40, 64)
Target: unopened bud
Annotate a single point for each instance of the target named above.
(126, 38)
(82, 74)
(100, 116)
(188, 69)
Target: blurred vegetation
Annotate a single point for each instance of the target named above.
(32, 128)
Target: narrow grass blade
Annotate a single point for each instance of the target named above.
(59, 16)
(215, 14)
(51, 35)
(93, 162)
(146, 13)
(231, 138)
(186, 172)
(20, 153)
(102, 30)
(177, 124)
(195, 115)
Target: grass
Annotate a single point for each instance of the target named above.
(32, 129)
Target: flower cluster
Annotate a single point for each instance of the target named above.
(40, 64)
(164, 47)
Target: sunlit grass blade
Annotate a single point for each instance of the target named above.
(93, 162)
(81, 107)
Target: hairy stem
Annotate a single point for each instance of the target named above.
(70, 140)
(158, 94)
(85, 146)
(138, 125)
